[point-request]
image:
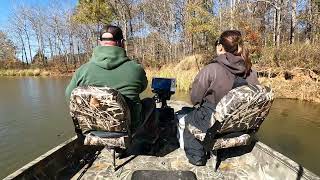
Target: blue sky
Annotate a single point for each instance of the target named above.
(6, 7)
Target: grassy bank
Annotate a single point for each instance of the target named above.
(299, 84)
(26, 72)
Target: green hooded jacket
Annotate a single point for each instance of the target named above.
(109, 66)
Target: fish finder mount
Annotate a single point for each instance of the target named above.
(163, 88)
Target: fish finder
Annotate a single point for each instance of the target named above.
(163, 89)
(164, 84)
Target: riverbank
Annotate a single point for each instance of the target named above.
(298, 83)
(300, 87)
(32, 72)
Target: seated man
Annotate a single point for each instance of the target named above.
(109, 66)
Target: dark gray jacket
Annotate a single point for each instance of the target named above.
(216, 79)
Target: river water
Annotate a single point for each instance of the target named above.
(34, 118)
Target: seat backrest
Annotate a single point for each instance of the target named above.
(99, 109)
(243, 108)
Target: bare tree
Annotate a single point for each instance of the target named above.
(293, 20)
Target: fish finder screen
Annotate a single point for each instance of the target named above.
(164, 84)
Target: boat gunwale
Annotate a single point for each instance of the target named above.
(40, 158)
(294, 166)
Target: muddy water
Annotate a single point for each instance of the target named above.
(34, 118)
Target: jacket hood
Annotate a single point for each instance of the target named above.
(234, 64)
(109, 57)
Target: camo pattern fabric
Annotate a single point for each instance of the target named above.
(223, 143)
(196, 132)
(99, 108)
(244, 108)
(120, 142)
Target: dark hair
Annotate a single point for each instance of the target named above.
(114, 30)
(231, 41)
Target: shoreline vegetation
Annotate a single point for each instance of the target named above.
(297, 83)
(169, 38)
(25, 72)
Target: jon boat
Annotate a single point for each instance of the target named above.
(102, 122)
(73, 160)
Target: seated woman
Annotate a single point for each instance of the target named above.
(231, 69)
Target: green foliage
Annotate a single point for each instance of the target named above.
(201, 27)
(93, 11)
(201, 21)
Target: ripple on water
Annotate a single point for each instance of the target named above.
(36, 113)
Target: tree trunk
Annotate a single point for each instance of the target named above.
(78, 53)
(309, 23)
(293, 20)
(50, 47)
(23, 49)
(275, 27)
(232, 14)
(28, 41)
(277, 34)
(278, 28)
(220, 16)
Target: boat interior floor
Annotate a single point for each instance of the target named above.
(246, 162)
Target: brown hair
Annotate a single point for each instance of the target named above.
(232, 42)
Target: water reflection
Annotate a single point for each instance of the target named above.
(34, 118)
(292, 128)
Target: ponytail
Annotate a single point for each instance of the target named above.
(247, 61)
(232, 42)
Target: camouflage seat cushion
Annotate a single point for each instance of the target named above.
(242, 140)
(112, 142)
(100, 109)
(242, 109)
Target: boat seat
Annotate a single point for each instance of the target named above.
(103, 134)
(101, 116)
(241, 111)
(109, 139)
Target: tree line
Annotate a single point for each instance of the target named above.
(157, 32)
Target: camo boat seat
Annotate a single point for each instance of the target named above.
(240, 112)
(101, 115)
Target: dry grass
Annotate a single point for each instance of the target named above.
(184, 72)
(36, 72)
(29, 72)
(194, 62)
(24, 72)
(45, 73)
(301, 86)
(21, 73)
(290, 56)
